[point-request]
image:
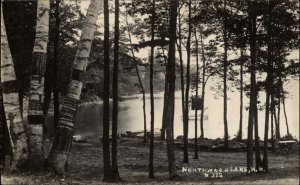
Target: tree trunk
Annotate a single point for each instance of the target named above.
(171, 82)
(63, 137)
(11, 103)
(285, 116)
(107, 176)
(114, 145)
(268, 91)
(278, 113)
(203, 86)
(5, 139)
(35, 106)
(187, 90)
(197, 81)
(181, 68)
(225, 80)
(163, 125)
(251, 118)
(140, 81)
(55, 66)
(151, 173)
(240, 132)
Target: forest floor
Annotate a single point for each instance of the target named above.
(86, 167)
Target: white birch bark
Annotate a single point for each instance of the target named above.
(35, 108)
(11, 103)
(63, 136)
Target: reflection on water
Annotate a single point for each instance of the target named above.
(89, 118)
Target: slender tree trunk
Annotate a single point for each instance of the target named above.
(257, 146)
(11, 103)
(272, 127)
(114, 147)
(181, 68)
(187, 90)
(197, 81)
(163, 126)
(285, 116)
(107, 176)
(268, 91)
(63, 137)
(203, 85)
(225, 80)
(279, 110)
(35, 106)
(171, 82)
(240, 132)
(139, 78)
(251, 118)
(151, 173)
(55, 66)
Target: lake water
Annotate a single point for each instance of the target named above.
(89, 116)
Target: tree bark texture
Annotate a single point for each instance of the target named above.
(114, 147)
(63, 137)
(171, 83)
(151, 173)
(187, 90)
(11, 103)
(35, 106)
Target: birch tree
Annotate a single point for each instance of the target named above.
(63, 137)
(35, 109)
(11, 103)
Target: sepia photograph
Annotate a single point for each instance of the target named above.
(169, 92)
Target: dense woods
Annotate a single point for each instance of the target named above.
(58, 55)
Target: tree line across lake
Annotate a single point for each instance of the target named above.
(52, 47)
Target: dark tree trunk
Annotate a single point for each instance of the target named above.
(171, 82)
(114, 145)
(203, 86)
(268, 91)
(187, 90)
(279, 110)
(163, 125)
(197, 81)
(240, 132)
(257, 146)
(225, 79)
(181, 68)
(5, 145)
(151, 173)
(251, 118)
(285, 116)
(107, 176)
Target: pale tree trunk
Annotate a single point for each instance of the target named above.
(171, 83)
(35, 106)
(63, 137)
(11, 103)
